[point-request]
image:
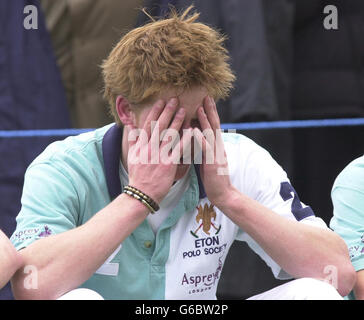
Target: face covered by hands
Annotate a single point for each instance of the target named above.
(166, 138)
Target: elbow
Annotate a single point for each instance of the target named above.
(341, 272)
(346, 279)
(23, 291)
(18, 286)
(16, 289)
(24, 288)
(25, 285)
(347, 274)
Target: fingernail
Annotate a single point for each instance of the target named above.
(173, 102)
(181, 111)
(159, 104)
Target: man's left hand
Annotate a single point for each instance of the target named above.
(214, 167)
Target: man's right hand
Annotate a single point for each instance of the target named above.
(156, 149)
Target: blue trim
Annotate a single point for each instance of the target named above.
(42, 133)
(225, 126)
(111, 151)
(201, 188)
(294, 124)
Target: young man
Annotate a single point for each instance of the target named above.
(88, 200)
(348, 220)
(10, 260)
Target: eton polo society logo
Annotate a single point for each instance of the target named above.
(204, 219)
(206, 224)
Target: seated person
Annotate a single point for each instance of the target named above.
(135, 211)
(10, 260)
(348, 220)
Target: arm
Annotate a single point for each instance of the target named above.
(300, 249)
(10, 259)
(66, 260)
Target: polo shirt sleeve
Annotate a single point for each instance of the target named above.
(348, 218)
(49, 205)
(266, 182)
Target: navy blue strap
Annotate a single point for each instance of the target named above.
(202, 193)
(111, 150)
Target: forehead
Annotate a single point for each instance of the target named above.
(189, 99)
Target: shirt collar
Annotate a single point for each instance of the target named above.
(111, 150)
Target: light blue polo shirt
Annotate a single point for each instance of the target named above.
(75, 178)
(348, 219)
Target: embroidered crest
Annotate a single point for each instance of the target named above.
(206, 214)
(45, 233)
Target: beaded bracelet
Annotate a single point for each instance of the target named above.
(142, 197)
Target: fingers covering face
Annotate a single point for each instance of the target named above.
(210, 109)
(153, 116)
(161, 133)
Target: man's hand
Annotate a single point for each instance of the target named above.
(214, 168)
(156, 149)
(318, 247)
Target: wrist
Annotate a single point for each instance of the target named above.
(150, 190)
(142, 197)
(228, 199)
(138, 208)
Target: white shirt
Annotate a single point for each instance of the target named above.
(168, 203)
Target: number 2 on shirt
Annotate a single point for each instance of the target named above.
(287, 192)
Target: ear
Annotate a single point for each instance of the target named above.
(125, 113)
